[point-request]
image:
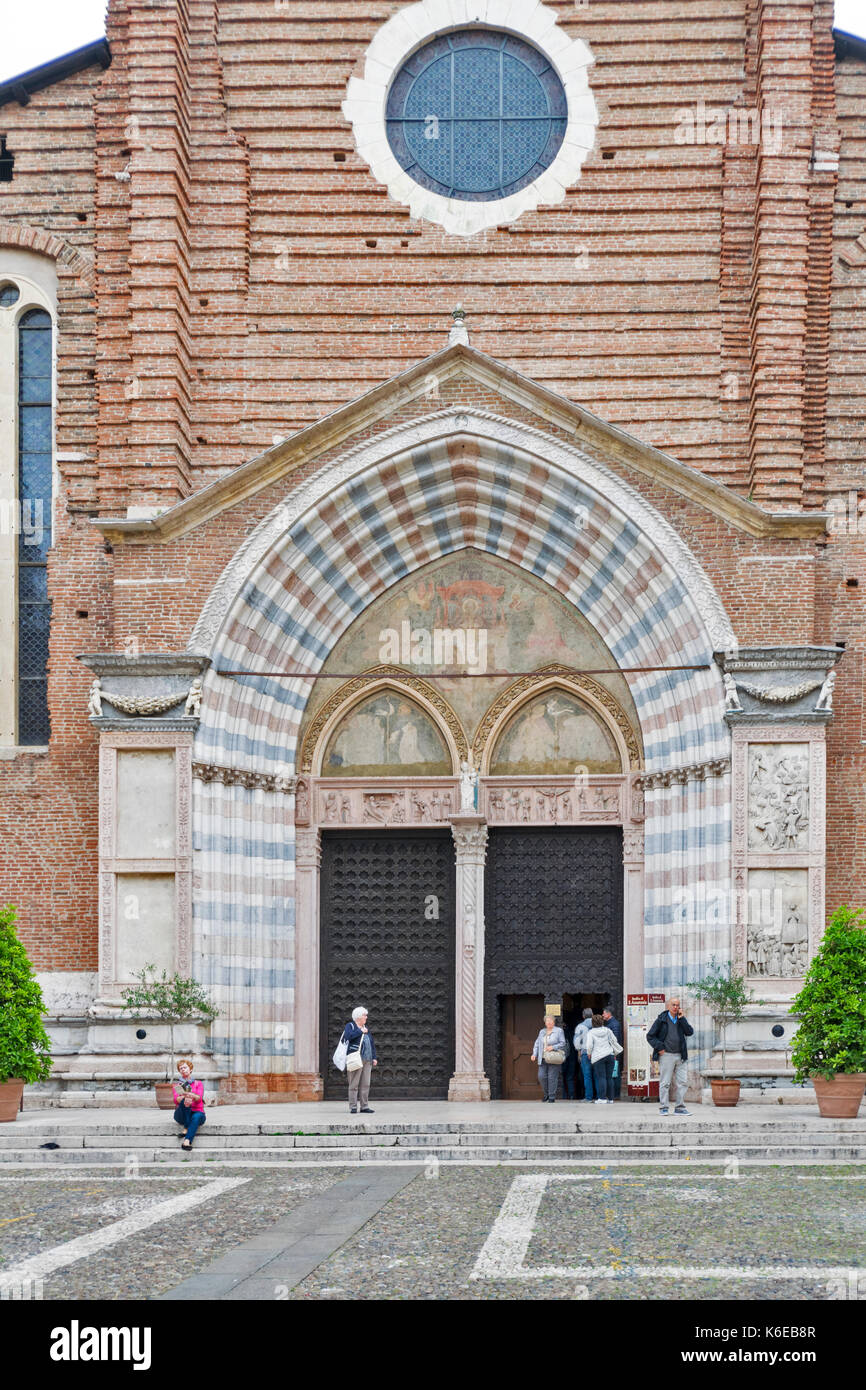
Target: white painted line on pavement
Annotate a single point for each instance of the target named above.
(82, 1246)
(506, 1246)
(503, 1254)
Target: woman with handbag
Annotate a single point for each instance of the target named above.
(602, 1049)
(549, 1053)
(358, 1051)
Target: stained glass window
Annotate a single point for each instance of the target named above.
(476, 115)
(34, 538)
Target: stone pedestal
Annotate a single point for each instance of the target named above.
(470, 840)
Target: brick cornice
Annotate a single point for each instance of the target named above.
(286, 458)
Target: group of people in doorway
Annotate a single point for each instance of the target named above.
(596, 1048)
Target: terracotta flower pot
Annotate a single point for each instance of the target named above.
(840, 1098)
(164, 1097)
(726, 1090)
(10, 1099)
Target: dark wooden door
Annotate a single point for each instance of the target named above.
(522, 1021)
(387, 934)
(553, 922)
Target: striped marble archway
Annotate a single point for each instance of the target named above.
(426, 489)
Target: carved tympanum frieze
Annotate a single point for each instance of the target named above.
(435, 801)
(376, 804)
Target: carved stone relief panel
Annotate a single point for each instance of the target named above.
(552, 801)
(377, 803)
(778, 797)
(777, 923)
(503, 801)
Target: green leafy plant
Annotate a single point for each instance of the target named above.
(173, 998)
(831, 1038)
(727, 996)
(25, 1048)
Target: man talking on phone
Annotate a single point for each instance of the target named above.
(667, 1038)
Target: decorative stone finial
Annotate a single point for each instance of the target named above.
(459, 333)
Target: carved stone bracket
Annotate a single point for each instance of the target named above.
(147, 690)
(243, 777)
(775, 685)
(632, 844)
(694, 772)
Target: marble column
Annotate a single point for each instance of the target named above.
(470, 840)
(308, 862)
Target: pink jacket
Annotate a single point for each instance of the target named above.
(197, 1093)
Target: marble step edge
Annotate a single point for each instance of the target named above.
(811, 1123)
(854, 1154)
(667, 1133)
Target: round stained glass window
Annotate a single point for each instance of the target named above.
(476, 115)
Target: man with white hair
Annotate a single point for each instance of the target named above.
(359, 1040)
(667, 1038)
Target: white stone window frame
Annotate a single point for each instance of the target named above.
(14, 268)
(414, 26)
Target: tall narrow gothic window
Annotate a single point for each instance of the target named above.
(34, 538)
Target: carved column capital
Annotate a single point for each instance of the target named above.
(308, 847)
(632, 844)
(470, 839)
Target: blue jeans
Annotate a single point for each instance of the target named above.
(192, 1119)
(586, 1068)
(602, 1070)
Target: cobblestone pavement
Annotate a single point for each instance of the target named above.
(37, 1216)
(425, 1243)
(594, 1236)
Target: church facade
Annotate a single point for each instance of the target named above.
(433, 564)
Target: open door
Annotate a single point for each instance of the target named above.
(522, 1020)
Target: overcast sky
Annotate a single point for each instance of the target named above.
(34, 31)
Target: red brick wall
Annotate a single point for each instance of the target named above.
(241, 282)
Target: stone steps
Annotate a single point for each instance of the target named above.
(593, 1139)
(626, 1140)
(574, 1153)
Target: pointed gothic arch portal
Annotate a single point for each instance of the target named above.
(421, 496)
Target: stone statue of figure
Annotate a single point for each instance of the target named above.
(825, 698)
(468, 786)
(94, 703)
(193, 699)
(732, 699)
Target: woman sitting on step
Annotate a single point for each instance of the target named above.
(189, 1099)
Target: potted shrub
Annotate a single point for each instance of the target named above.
(727, 997)
(830, 1046)
(173, 999)
(25, 1048)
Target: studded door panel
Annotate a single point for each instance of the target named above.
(387, 925)
(553, 920)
